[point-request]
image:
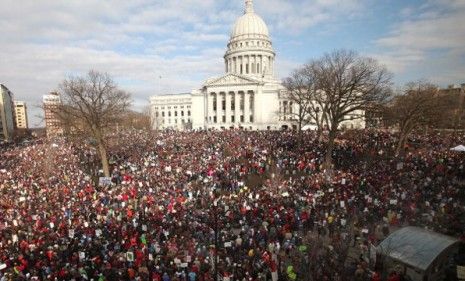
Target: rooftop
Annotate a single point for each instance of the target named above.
(416, 246)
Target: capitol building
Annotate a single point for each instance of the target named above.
(247, 96)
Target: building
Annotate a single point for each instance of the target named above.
(248, 95)
(53, 125)
(21, 115)
(172, 111)
(7, 120)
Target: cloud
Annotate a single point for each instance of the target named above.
(429, 43)
(135, 41)
(296, 16)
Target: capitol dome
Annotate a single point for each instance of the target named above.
(249, 25)
(250, 51)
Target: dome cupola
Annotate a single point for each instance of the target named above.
(250, 50)
(249, 25)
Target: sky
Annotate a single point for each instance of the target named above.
(155, 47)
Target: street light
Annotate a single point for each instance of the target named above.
(215, 205)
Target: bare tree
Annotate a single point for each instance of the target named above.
(92, 106)
(137, 120)
(418, 106)
(299, 88)
(311, 108)
(348, 83)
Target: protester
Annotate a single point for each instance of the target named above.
(243, 205)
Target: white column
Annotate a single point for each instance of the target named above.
(252, 106)
(209, 107)
(246, 108)
(254, 64)
(228, 108)
(249, 63)
(272, 65)
(237, 106)
(218, 108)
(241, 66)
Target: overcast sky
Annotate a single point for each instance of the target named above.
(183, 41)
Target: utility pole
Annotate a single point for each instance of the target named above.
(215, 205)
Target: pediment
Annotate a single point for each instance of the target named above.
(232, 79)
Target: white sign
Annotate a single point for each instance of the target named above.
(2, 266)
(460, 272)
(130, 256)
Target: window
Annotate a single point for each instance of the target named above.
(242, 118)
(188, 113)
(251, 118)
(182, 113)
(242, 102)
(156, 114)
(175, 114)
(214, 119)
(233, 104)
(241, 68)
(214, 103)
(251, 99)
(232, 119)
(224, 119)
(163, 114)
(223, 104)
(169, 113)
(247, 69)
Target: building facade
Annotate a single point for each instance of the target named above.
(53, 125)
(21, 115)
(7, 120)
(172, 111)
(248, 95)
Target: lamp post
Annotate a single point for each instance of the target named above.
(236, 231)
(215, 208)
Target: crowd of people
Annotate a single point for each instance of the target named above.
(230, 205)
